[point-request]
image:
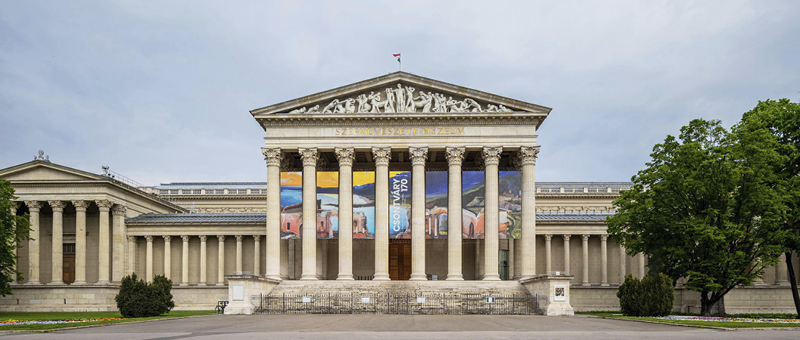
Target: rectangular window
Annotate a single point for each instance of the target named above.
(173, 192)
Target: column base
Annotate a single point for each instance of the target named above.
(418, 277)
(273, 276)
(345, 277)
(32, 283)
(381, 277)
(782, 284)
(308, 278)
(455, 277)
(183, 285)
(759, 283)
(491, 277)
(105, 282)
(605, 285)
(586, 284)
(79, 283)
(55, 283)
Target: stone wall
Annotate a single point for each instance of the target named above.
(100, 298)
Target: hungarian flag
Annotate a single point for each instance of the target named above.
(398, 56)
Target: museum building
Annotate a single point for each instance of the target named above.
(436, 183)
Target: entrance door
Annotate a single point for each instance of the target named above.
(399, 259)
(69, 262)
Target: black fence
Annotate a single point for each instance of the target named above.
(355, 303)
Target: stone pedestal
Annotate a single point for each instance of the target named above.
(242, 288)
(552, 292)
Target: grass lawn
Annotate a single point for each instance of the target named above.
(41, 316)
(725, 324)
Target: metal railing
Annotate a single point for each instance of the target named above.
(389, 303)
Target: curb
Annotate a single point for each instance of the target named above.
(97, 325)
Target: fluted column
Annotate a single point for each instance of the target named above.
(33, 242)
(548, 265)
(345, 157)
(566, 254)
(118, 248)
(185, 261)
(131, 254)
(781, 272)
(149, 259)
(585, 264)
(167, 256)
(273, 236)
(491, 222)
(203, 261)
(622, 265)
(455, 156)
(13, 211)
(57, 258)
(309, 231)
(527, 158)
(604, 260)
(239, 254)
(640, 256)
(418, 157)
(104, 250)
(257, 255)
(381, 156)
(221, 262)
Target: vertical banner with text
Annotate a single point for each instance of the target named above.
(399, 204)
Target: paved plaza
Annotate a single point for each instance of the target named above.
(397, 327)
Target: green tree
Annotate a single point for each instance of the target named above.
(782, 119)
(13, 230)
(705, 208)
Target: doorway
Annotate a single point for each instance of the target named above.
(399, 259)
(69, 262)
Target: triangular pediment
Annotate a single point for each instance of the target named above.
(399, 92)
(45, 171)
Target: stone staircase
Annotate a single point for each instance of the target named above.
(413, 288)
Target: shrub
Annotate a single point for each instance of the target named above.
(137, 299)
(652, 296)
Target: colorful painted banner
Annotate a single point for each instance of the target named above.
(510, 204)
(399, 204)
(363, 204)
(327, 204)
(291, 204)
(436, 205)
(472, 201)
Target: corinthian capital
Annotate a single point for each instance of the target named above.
(345, 156)
(104, 205)
(309, 155)
(273, 156)
(455, 155)
(528, 154)
(119, 210)
(382, 155)
(33, 205)
(418, 155)
(491, 155)
(80, 205)
(57, 205)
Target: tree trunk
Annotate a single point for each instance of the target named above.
(793, 282)
(705, 306)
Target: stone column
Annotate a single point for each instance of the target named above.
(585, 264)
(381, 156)
(57, 258)
(309, 230)
(149, 259)
(221, 262)
(13, 211)
(345, 157)
(418, 157)
(257, 256)
(641, 264)
(118, 247)
(104, 250)
(455, 156)
(527, 158)
(622, 265)
(167, 256)
(781, 272)
(491, 221)
(604, 260)
(203, 261)
(548, 268)
(185, 261)
(566, 254)
(33, 242)
(239, 254)
(131, 254)
(273, 235)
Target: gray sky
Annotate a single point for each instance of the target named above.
(160, 90)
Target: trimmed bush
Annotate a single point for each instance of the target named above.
(138, 299)
(652, 296)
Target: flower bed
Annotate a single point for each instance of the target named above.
(711, 318)
(47, 322)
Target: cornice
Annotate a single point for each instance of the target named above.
(100, 182)
(406, 119)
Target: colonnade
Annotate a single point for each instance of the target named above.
(604, 266)
(525, 157)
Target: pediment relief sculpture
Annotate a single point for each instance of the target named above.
(402, 98)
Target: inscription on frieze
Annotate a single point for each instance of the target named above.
(400, 131)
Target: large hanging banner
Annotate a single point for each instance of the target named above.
(291, 204)
(472, 200)
(363, 204)
(399, 204)
(510, 204)
(436, 205)
(327, 204)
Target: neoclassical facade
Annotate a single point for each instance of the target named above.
(438, 181)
